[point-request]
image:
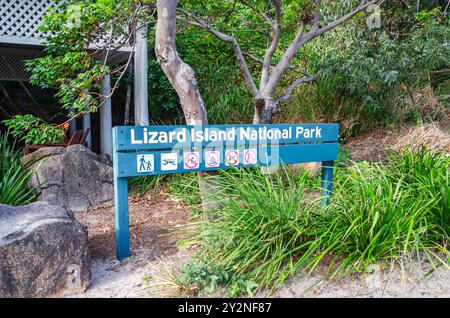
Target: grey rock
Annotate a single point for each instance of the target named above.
(106, 159)
(41, 154)
(43, 251)
(75, 178)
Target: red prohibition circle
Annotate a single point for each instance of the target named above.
(191, 163)
(215, 155)
(232, 163)
(250, 157)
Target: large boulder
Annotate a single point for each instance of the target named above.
(74, 177)
(43, 251)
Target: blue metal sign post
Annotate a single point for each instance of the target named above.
(150, 150)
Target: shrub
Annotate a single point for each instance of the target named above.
(384, 76)
(379, 218)
(13, 177)
(387, 212)
(33, 130)
(426, 173)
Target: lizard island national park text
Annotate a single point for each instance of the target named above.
(145, 135)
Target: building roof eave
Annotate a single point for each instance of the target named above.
(22, 41)
(34, 43)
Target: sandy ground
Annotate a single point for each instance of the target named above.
(154, 229)
(390, 283)
(156, 220)
(134, 278)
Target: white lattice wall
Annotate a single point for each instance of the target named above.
(19, 23)
(21, 18)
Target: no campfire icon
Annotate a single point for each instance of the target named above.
(212, 159)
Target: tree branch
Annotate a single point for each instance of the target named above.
(362, 6)
(287, 95)
(317, 14)
(198, 22)
(280, 68)
(259, 61)
(273, 46)
(259, 12)
(301, 39)
(252, 57)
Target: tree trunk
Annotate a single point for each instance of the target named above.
(179, 73)
(182, 78)
(264, 115)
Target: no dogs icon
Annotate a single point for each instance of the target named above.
(231, 157)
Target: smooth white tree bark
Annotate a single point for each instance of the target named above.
(180, 74)
(182, 77)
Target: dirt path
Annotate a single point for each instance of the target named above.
(372, 147)
(154, 219)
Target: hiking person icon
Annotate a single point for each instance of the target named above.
(142, 167)
(145, 163)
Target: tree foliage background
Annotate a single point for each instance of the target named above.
(365, 76)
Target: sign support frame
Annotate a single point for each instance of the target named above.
(122, 173)
(121, 215)
(327, 182)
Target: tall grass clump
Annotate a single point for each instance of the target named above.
(140, 185)
(269, 226)
(258, 235)
(13, 176)
(183, 186)
(426, 173)
(378, 218)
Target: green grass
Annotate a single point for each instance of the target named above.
(13, 177)
(182, 186)
(426, 173)
(253, 242)
(185, 186)
(378, 218)
(269, 227)
(140, 185)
